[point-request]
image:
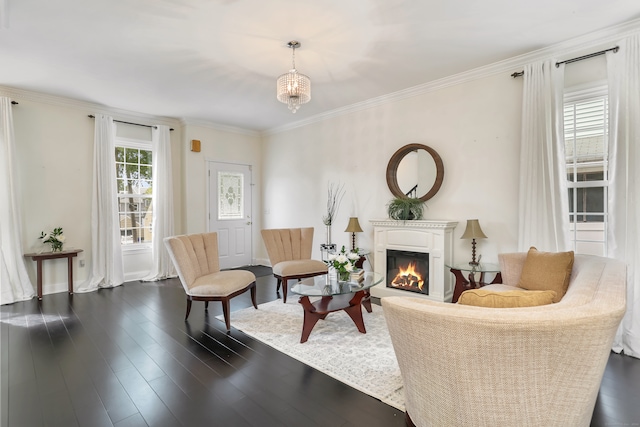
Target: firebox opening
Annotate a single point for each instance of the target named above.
(408, 271)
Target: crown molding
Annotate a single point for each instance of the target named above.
(118, 114)
(560, 51)
(223, 128)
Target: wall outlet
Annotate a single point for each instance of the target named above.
(81, 263)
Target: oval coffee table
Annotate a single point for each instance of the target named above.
(334, 296)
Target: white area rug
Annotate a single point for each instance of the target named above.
(365, 362)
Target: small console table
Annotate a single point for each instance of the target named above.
(39, 257)
(462, 284)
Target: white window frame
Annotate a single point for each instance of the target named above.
(140, 144)
(593, 92)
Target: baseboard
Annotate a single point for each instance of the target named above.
(262, 261)
(132, 276)
(56, 288)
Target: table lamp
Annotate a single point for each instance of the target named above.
(353, 227)
(473, 232)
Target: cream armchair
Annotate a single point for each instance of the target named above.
(196, 259)
(537, 366)
(289, 251)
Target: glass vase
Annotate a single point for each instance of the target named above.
(344, 276)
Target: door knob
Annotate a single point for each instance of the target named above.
(248, 222)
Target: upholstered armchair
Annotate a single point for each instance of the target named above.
(289, 251)
(196, 259)
(540, 366)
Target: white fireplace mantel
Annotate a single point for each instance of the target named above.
(432, 237)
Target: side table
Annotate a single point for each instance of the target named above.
(326, 249)
(462, 284)
(39, 257)
(364, 253)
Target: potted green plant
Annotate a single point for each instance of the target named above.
(405, 208)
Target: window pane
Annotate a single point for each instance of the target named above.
(145, 187)
(134, 172)
(230, 197)
(145, 172)
(132, 155)
(586, 151)
(145, 157)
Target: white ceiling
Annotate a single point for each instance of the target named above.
(217, 60)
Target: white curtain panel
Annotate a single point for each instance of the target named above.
(14, 280)
(162, 203)
(106, 256)
(543, 201)
(623, 70)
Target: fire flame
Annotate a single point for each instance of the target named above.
(409, 276)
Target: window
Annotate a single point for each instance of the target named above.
(586, 150)
(135, 191)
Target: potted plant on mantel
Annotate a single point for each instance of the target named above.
(405, 208)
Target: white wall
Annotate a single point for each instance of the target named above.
(474, 126)
(218, 146)
(54, 150)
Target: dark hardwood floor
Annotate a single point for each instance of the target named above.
(125, 357)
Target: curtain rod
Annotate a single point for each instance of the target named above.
(129, 123)
(579, 58)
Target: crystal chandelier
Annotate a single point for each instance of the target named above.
(294, 89)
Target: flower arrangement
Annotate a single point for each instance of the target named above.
(343, 262)
(55, 238)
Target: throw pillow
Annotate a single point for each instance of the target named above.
(544, 271)
(506, 299)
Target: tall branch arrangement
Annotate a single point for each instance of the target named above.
(335, 193)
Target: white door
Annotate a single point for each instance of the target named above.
(230, 212)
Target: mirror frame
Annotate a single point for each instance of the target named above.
(392, 170)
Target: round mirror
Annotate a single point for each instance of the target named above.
(415, 170)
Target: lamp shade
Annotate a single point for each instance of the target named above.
(353, 226)
(473, 230)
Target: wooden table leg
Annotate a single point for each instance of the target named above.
(70, 274)
(461, 284)
(366, 301)
(318, 310)
(355, 311)
(39, 278)
(311, 317)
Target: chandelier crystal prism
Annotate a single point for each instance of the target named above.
(293, 88)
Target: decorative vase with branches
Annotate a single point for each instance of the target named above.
(335, 193)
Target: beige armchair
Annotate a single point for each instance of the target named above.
(196, 259)
(289, 252)
(536, 366)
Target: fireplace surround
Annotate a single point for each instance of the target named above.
(431, 241)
